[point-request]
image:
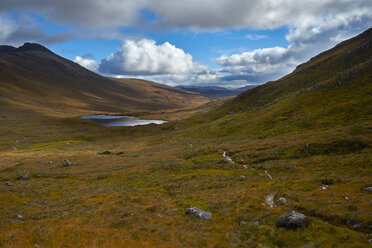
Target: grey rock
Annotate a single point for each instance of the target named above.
(8, 184)
(358, 226)
(198, 213)
(368, 189)
(242, 178)
(310, 245)
(282, 200)
(242, 223)
(291, 220)
(24, 177)
(270, 200)
(65, 162)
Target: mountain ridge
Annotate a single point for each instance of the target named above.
(33, 77)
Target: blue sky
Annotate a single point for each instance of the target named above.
(198, 42)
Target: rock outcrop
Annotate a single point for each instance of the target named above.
(198, 213)
(291, 220)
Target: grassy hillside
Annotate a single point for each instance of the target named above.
(332, 90)
(33, 79)
(129, 186)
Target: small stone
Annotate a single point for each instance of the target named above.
(324, 186)
(358, 226)
(346, 198)
(198, 213)
(50, 162)
(291, 220)
(242, 178)
(368, 189)
(270, 200)
(24, 177)
(20, 216)
(8, 184)
(282, 200)
(66, 163)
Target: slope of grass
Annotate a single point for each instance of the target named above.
(130, 186)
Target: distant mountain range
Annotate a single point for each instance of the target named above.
(213, 92)
(34, 79)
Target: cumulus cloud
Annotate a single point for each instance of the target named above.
(88, 62)
(305, 41)
(314, 26)
(145, 57)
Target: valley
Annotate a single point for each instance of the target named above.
(305, 138)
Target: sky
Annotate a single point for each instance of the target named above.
(229, 43)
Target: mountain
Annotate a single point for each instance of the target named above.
(301, 143)
(33, 78)
(213, 92)
(331, 89)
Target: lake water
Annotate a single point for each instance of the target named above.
(120, 121)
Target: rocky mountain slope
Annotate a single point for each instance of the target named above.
(34, 79)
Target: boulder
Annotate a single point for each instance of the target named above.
(291, 220)
(65, 162)
(198, 213)
(24, 177)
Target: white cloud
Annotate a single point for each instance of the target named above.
(6, 28)
(145, 57)
(305, 41)
(87, 62)
(255, 36)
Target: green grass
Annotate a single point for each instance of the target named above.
(130, 186)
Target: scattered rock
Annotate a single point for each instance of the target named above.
(20, 216)
(14, 147)
(24, 177)
(310, 245)
(50, 162)
(270, 200)
(368, 189)
(242, 223)
(291, 220)
(324, 186)
(358, 226)
(242, 178)
(267, 173)
(8, 184)
(227, 157)
(65, 162)
(346, 198)
(282, 200)
(198, 213)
